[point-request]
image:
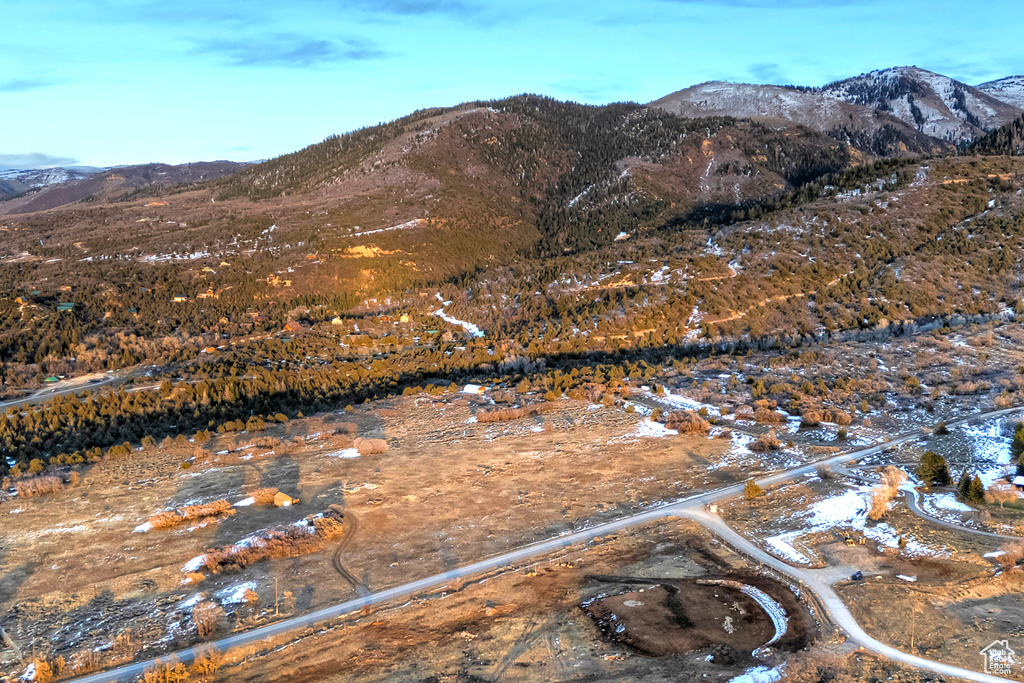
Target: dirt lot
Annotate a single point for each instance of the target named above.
(950, 616)
(75, 575)
(447, 492)
(529, 624)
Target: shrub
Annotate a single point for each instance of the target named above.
(810, 418)
(292, 541)
(512, 413)
(688, 422)
(370, 446)
(38, 486)
(751, 490)
(766, 442)
(207, 617)
(766, 415)
(163, 520)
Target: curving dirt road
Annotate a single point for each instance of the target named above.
(817, 581)
(352, 524)
(913, 503)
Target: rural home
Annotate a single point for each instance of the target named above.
(284, 500)
(474, 389)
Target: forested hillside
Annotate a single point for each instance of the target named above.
(522, 238)
(1008, 139)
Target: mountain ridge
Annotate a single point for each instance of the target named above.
(884, 112)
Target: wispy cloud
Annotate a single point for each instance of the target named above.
(25, 84)
(588, 89)
(291, 51)
(415, 7)
(34, 160)
(778, 4)
(766, 72)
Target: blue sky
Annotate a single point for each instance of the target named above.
(104, 82)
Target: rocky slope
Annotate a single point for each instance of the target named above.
(903, 109)
(865, 128)
(935, 105)
(1009, 90)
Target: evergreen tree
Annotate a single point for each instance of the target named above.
(963, 486)
(932, 470)
(1017, 446)
(976, 491)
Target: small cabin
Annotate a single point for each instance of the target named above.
(474, 389)
(282, 500)
(1018, 482)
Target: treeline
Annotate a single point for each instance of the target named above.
(1008, 139)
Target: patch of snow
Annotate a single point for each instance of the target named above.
(143, 528)
(346, 453)
(195, 564)
(654, 430)
(469, 327)
(191, 601)
(236, 594)
(904, 577)
(948, 501)
(782, 547)
(245, 502)
(759, 674)
(849, 509)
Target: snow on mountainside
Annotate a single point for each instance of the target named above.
(15, 181)
(863, 127)
(934, 104)
(1009, 90)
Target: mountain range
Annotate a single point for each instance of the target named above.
(527, 174)
(886, 112)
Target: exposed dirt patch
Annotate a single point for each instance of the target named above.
(685, 615)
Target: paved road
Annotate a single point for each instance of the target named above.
(690, 507)
(913, 502)
(45, 394)
(820, 582)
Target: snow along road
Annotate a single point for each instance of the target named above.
(691, 508)
(914, 505)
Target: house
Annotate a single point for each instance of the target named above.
(282, 500)
(474, 389)
(999, 658)
(1018, 482)
(65, 306)
(336, 320)
(292, 326)
(179, 299)
(208, 294)
(404, 318)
